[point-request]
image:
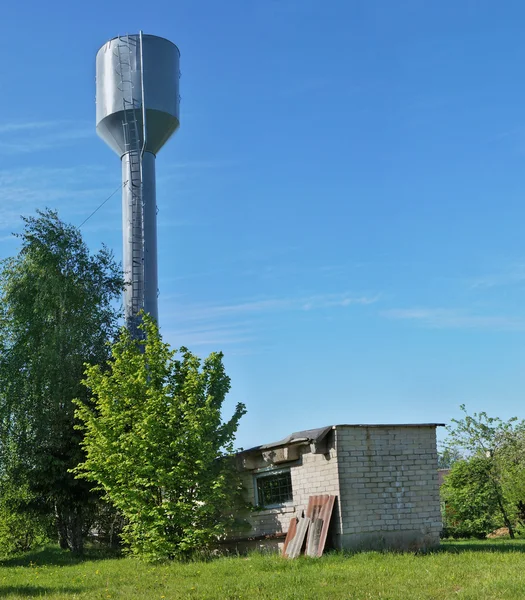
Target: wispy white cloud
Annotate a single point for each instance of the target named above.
(238, 324)
(260, 306)
(250, 264)
(23, 190)
(508, 133)
(20, 137)
(77, 190)
(445, 318)
(209, 336)
(26, 126)
(512, 276)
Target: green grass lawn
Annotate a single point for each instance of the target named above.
(474, 570)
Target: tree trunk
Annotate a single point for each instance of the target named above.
(61, 528)
(69, 525)
(114, 530)
(75, 538)
(506, 519)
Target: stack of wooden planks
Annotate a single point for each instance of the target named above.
(312, 527)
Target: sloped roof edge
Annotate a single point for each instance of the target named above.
(308, 435)
(317, 435)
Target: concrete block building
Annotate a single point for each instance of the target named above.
(384, 477)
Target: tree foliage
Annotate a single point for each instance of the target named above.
(24, 522)
(157, 446)
(471, 501)
(486, 488)
(56, 314)
(447, 456)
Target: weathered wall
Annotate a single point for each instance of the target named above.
(311, 474)
(389, 490)
(318, 475)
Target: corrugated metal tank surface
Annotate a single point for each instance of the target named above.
(161, 85)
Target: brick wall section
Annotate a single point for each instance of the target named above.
(389, 490)
(318, 475)
(311, 474)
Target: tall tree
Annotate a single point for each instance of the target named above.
(157, 446)
(57, 312)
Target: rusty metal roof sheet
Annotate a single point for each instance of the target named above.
(320, 512)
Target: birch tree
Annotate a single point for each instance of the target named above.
(57, 313)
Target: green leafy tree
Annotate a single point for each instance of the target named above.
(494, 451)
(511, 457)
(156, 444)
(447, 457)
(56, 314)
(471, 500)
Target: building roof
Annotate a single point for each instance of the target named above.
(317, 435)
(308, 435)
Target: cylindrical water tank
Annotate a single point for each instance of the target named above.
(119, 68)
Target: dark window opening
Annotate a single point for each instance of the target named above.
(274, 489)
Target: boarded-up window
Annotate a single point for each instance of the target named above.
(273, 488)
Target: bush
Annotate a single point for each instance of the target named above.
(23, 526)
(471, 503)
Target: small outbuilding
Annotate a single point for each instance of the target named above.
(384, 477)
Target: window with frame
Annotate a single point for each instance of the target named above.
(273, 488)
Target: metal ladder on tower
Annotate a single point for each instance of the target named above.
(125, 48)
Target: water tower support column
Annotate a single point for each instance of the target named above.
(139, 229)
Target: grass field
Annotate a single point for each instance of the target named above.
(473, 570)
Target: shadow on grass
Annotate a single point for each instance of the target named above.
(34, 591)
(54, 556)
(456, 547)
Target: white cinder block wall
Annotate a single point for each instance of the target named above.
(389, 493)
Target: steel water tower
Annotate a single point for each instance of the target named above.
(137, 112)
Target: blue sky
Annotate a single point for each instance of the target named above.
(342, 211)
